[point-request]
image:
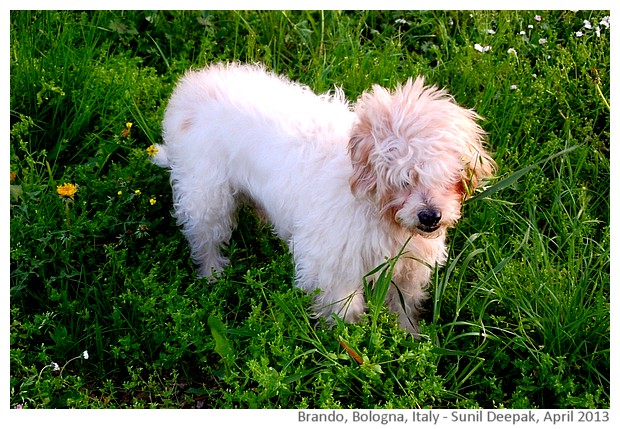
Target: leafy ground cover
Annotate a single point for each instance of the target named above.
(105, 308)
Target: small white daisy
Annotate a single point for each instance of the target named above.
(478, 47)
(605, 22)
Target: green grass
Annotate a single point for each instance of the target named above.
(518, 317)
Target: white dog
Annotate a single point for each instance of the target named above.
(345, 188)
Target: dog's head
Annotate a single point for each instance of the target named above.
(417, 155)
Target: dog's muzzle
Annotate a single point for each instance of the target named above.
(429, 220)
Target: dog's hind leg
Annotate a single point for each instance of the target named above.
(207, 212)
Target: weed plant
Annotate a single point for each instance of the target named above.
(106, 310)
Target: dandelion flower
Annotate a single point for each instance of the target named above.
(152, 150)
(119, 193)
(127, 130)
(152, 201)
(67, 190)
(137, 192)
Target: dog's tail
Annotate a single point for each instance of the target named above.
(160, 157)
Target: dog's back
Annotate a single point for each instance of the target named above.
(251, 96)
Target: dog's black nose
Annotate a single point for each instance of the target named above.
(429, 219)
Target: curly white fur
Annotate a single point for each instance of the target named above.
(345, 188)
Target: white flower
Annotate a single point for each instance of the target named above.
(54, 366)
(490, 31)
(537, 18)
(605, 22)
(598, 31)
(530, 26)
(85, 354)
(513, 87)
(542, 41)
(587, 24)
(579, 34)
(534, 75)
(512, 51)
(400, 21)
(522, 32)
(481, 48)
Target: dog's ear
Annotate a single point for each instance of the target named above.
(363, 181)
(478, 166)
(372, 117)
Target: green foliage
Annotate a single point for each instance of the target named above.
(519, 316)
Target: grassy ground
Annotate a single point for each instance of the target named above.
(519, 317)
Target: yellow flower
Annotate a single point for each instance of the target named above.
(152, 150)
(137, 192)
(152, 201)
(119, 193)
(67, 190)
(127, 130)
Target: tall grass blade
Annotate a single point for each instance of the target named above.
(508, 181)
